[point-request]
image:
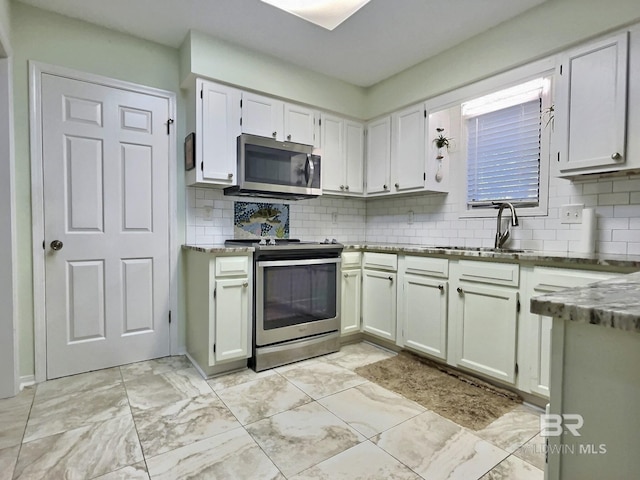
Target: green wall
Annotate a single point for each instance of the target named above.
(209, 57)
(5, 27)
(539, 32)
(57, 40)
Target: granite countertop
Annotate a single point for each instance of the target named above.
(218, 248)
(611, 303)
(586, 259)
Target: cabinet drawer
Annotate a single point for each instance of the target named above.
(351, 259)
(232, 266)
(486, 272)
(380, 261)
(434, 267)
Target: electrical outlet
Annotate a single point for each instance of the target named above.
(571, 213)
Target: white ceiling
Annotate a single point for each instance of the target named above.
(383, 38)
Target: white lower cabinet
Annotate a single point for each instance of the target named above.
(351, 293)
(422, 305)
(379, 295)
(218, 310)
(484, 317)
(535, 335)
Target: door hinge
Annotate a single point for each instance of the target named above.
(169, 123)
(518, 306)
(517, 369)
(558, 156)
(240, 121)
(240, 103)
(169, 317)
(201, 94)
(425, 113)
(44, 246)
(319, 122)
(560, 69)
(214, 348)
(424, 176)
(215, 292)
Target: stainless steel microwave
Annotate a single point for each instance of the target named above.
(275, 169)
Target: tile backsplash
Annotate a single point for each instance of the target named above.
(435, 218)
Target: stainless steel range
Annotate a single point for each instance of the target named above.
(296, 291)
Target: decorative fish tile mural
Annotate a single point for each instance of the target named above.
(251, 220)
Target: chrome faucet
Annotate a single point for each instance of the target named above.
(502, 237)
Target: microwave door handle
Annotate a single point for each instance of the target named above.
(309, 171)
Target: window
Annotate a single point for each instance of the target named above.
(504, 132)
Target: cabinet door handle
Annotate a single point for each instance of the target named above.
(346, 187)
(385, 187)
(616, 156)
(391, 279)
(441, 288)
(289, 137)
(341, 187)
(397, 185)
(230, 175)
(460, 291)
(346, 276)
(274, 134)
(245, 284)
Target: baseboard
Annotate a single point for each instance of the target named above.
(27, 381)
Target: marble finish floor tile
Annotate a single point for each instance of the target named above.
(156, 366)
(357, 355)
(174, 425)
(238, 378)
(78, 383)
(319, 379)
(8, 457)
(303, 437)
(262, 398)
(85, 452)
(231, 455)
(513, 429)
(156, 390)
(14, 413)
(364, 461)
(57, 414)
(437, 448)
(512, 468)
(533, 452)
(370, 408)
(130, 472)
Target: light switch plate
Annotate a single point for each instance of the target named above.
(571, 213)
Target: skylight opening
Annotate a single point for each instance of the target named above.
(324, 13)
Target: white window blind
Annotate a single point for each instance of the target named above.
(503, 155)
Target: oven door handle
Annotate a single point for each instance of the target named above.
(291, 263)
(309, 169)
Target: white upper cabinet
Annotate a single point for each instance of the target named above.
(217, 125)
(299, 124)
(342, 143)
(262, 116)
(379, 155)
(268, 117)
(408, 149)
(591, 111)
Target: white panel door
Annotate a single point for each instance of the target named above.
(425, 315)
(106, 205)
(299, 124)
(379, 303)
(333, 168)
(262, 116)
(408, 149)
(378, 155)
(354, 156)
(232, 319)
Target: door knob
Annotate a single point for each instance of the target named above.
(616, 156)
(274, 134)
(56, 245)
(441, 288)
(289, 137)
(460, 291)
